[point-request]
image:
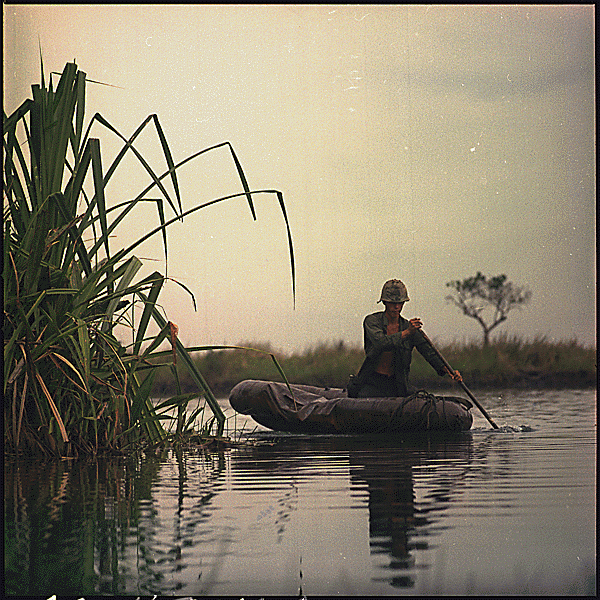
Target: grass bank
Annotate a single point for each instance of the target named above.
(509, 361)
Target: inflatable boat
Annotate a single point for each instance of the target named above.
(308, 409)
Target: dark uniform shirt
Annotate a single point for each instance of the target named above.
(377, 341)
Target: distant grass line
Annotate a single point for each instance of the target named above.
(509, 361)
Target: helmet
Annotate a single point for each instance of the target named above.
(394, 291)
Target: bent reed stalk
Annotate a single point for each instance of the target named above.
(70, 385)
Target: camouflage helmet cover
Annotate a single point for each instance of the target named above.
(394, 291)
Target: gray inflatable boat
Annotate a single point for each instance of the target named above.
(308, 409)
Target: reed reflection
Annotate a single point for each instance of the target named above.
(93, 527)
(63, 524)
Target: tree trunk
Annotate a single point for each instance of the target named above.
(486, 337)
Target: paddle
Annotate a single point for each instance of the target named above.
(464, 387)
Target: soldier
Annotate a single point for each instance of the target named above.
(389, 342)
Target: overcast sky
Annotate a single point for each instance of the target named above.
(423, 143)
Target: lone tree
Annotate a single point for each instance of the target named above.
(474, 294)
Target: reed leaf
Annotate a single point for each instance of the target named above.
(84, 349)
(61, 425)
(129, 146)
(132, 266)
(151, 300)
(175, 401)
(99, 198)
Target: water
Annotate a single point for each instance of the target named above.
(503, 512)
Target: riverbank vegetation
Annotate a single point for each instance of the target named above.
(71, 386)
(507, 361)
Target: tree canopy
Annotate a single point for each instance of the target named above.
(475, 294)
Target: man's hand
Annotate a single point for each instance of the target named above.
(454, 374)
(413, 325)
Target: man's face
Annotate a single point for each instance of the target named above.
(393, 309)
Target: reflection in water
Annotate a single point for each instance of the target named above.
(137, 525)
(173, 520)
(70, 524)
(60, 519)
(398, 524)
(315, 515)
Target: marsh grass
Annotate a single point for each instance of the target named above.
(71, 386)
(514, 361)
(507, 361)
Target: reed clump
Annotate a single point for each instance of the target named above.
(509, 361)
(71, 385)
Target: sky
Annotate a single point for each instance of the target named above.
(422, 143)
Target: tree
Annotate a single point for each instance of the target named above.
(474, 294)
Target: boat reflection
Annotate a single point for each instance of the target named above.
(383, 472)
(399, 522)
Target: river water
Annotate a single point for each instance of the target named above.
(502, 512)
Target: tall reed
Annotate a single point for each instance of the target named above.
(70, 384)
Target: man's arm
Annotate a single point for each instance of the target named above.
(429, 354)
(376, 338)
